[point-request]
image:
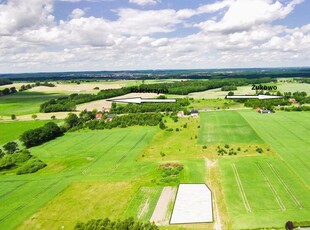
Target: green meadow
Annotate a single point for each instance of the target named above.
(24, 102)
(89, 174)
(115, 173)
(226, 127)
(10, 131)
(262, 191)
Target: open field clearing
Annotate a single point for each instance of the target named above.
(261, 192)
(21, 198)
(264, 190)
(218, 93)
(288, 133)
(87, 160)
(17, 85)
(243, 90)
(143, 203)
(226, 127)
(84, 87)
(24, 102)
(214, 104)
(40, 116)
(10, 131)
(294, 87)
(104, 104)
(99, 153)
(176, 145)
(82, 202)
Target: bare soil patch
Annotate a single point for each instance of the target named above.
(160, 216)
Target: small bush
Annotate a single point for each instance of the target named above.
(259, 150)
(31, 166)
(204, 147)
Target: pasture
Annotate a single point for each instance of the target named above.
(288, 134)
(87, 163)
(226, 127)
(24, 102)
(263, 191)
(10, 131)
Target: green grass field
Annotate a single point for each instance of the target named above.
(76, 159)
(10, 131)
(263, 191)
(288, 133)
(226, 127)
(114, 173)
(24, 102)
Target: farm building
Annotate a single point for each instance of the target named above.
(98, 116)
(180, 114)
(194, 113)
(110, 117)
(292, 100)
(259, 110)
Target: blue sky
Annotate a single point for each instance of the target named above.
(74, 35)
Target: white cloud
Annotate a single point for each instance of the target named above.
(31, 40)
(18, 15)
(144, 2)
(244, 14)
(77, 13)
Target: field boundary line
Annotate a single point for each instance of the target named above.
(293, 197)
(241, 189)
(272, 188)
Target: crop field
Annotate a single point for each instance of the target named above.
(10, 131)
(260, 187)
(226, 127)
(120, 173)
(86, 161)
(24, 102)
(288, 134)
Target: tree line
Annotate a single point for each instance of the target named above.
(7, 91)
(5, 81)
(141, 119)
(107, 224)
(150, 107)
(69, 103)
(30, 86)
(300, 97)
(34, 137)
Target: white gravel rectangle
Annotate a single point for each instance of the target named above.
(193, 205)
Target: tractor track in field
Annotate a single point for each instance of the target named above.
(291, 194)
(105, 152)
(14, 211)
(272, 188)
(241, 189)
(125, 155)
(12, 190)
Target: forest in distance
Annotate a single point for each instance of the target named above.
(164, 74)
